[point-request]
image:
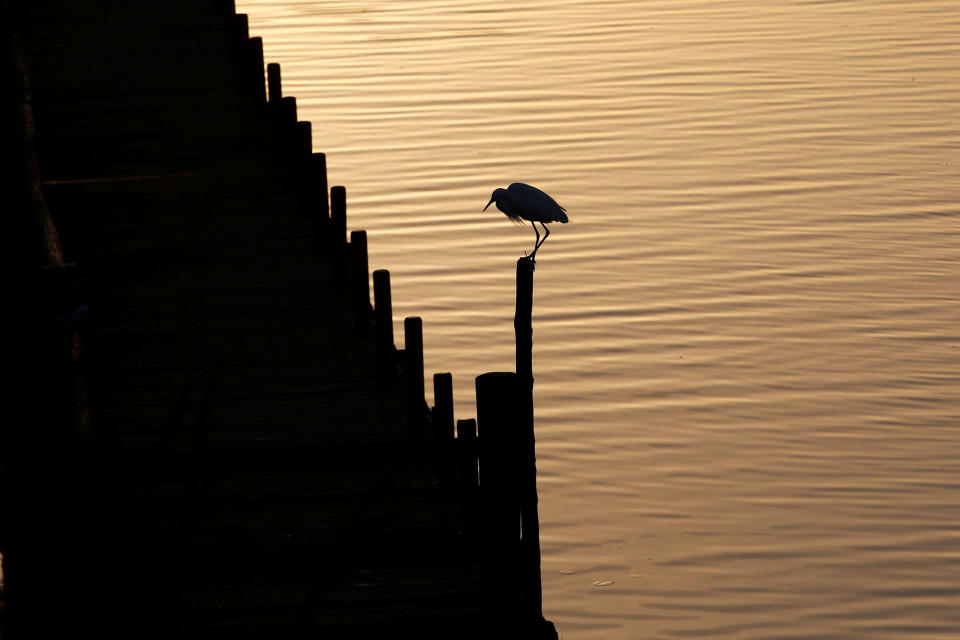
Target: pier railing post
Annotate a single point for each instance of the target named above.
(253, 68)
(303, 141)
(498, 425)
(247, 54)
(443, 406)
(238, 32)
(383, 322)
(274, 87)
(288, 113)
(338, 231)
(302, 145)
(319, 206)
(443, 427)
(285, 129)
(274, 101)
(466, 446)
(413, 350)
(301, 153)
(360, 281)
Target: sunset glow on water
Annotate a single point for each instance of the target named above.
(746, 340)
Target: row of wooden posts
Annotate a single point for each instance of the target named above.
(502, 436)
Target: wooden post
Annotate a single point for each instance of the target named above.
(274, 90)
(529, 560)
(319, 205)
(498, 421)
(467, 439)
(338, 231)
(360, 281)
(300, 153)
(442, 415)
(275, 100)
(443, 405)
(466, 457)
(303, 140)
(383, 322)
(287, 119)
(413, 350)
(239, 32)
(241, 27)
(254, 71)
(283, 121)
(523, 325)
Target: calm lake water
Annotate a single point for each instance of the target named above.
(747, 339)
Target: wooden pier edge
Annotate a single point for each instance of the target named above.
(506, 481)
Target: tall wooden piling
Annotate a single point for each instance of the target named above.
(530, 543)
(300, 160)
(247, 55)
(467, 454)
(253, 69)
(286, 118)
(499, 421)
(301, 151)
(413, 350)
(443, 406)
(465, 447)
(274, 101)
(238, 32)
(303, 141)
(442, 416)
(338, 230)
(523, 325)
(360, 281)
(274, 88)
(283, 124)
(383, 322)
(318, 204)
(529, 558)
(241, 26)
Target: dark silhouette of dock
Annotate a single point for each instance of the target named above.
(212, 432)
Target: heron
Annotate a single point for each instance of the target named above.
(520, 201)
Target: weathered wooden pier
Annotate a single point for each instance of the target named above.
(211, 432)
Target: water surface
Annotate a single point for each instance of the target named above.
(746, 348)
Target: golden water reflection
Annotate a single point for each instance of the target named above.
(746, 345)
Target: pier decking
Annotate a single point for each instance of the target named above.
(215, 448)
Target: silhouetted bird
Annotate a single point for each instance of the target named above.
(529, 203)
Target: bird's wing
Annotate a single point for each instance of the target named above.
(532, 200)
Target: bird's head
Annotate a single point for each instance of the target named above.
(496, 195)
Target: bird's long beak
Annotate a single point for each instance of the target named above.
(489, 203)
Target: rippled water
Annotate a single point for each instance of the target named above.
(747, 347)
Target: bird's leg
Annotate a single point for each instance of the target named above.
(536, 245)
(546, 232)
